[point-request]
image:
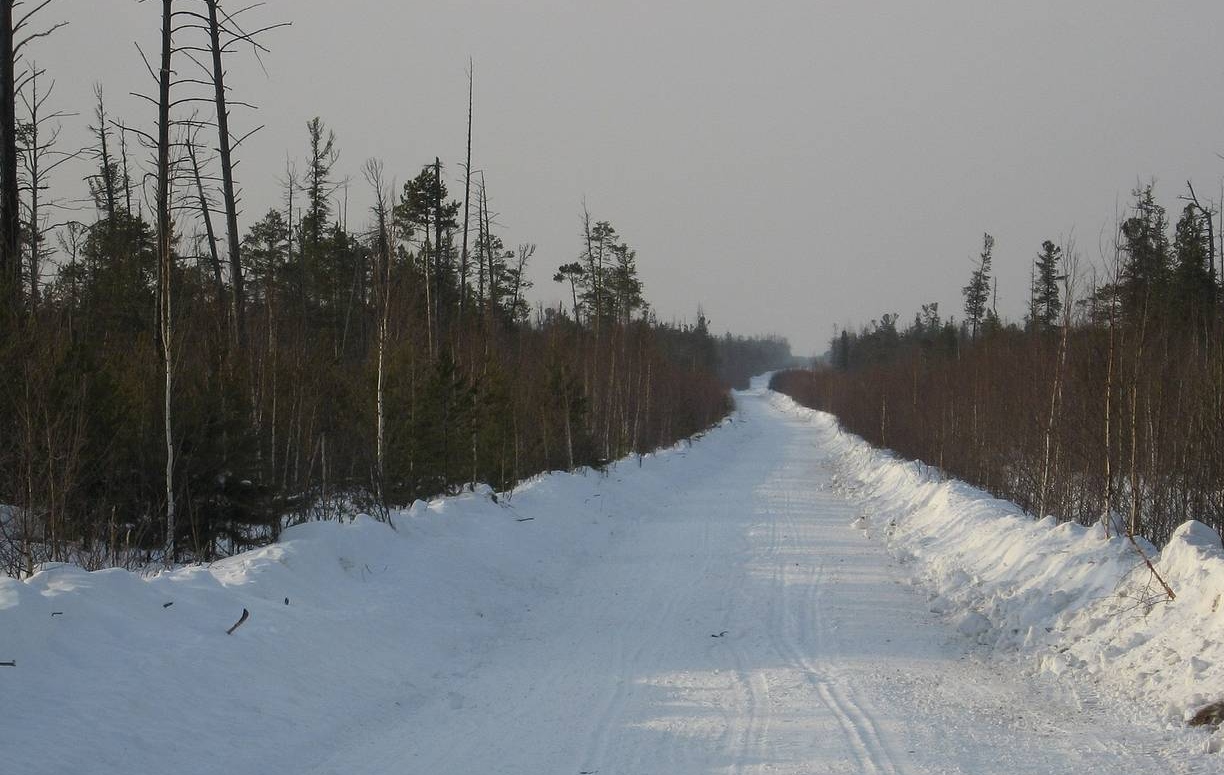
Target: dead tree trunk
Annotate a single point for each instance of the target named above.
(224, 150)
(33, 157)
(438, 255)
(1056, 390)
(10, 193)
(165, 263)
(10, 227)
(108, 179)
(480, 241)
(382, 289)
(467, 192)
(38, 155)
(1107, 509)
(206, 215)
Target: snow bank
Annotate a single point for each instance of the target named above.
(1081, 602)
(352, 626)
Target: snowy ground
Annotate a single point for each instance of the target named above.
(719, 608)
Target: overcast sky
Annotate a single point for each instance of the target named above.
(790, 165)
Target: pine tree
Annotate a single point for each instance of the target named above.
(571, 273)
(422, 214)
(624, 285)
(977, 292)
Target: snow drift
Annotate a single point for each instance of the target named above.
(1080, 601)
(354, 623)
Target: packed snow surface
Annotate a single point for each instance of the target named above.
(775, 597)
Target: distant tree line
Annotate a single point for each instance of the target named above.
(1107, 400)
(173, 388)
(740, 358)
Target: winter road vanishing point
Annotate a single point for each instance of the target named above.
(738, 621)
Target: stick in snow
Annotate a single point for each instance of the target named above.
(237, 624)
(9, 664)
(525, 519)
(167, 605)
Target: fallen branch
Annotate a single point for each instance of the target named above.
(9, 664)
(245, 615)
(1147, 561)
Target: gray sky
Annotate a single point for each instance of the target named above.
(788, 165)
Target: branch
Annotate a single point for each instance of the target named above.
(145, 59)
(17, 48)
(240, 140)
(22, 21)
(139, 132)
(245, 615)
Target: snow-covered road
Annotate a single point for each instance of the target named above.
(713, 610)
(739, 622)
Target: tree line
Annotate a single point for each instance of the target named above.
(1105, 402)
(175, 386)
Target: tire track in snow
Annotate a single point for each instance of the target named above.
(754, 738)
(860, 731)
(650, 638)
(861, 737)
(746, 728)
(597, 746)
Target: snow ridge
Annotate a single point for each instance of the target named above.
(1080, 602)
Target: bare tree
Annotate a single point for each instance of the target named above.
(439, 257)
(227, 174)
(467, 192)
(160, 144)
(489, 274)
(103, 185)
(1050, 451)
(224, 33)
(206, 207)
(383, 240)
(11, 44)
(165, 258)
(39, 157)
(10, 229)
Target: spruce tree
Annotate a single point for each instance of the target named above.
(1145, 267)
(1192, 291)
(1046, 297)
